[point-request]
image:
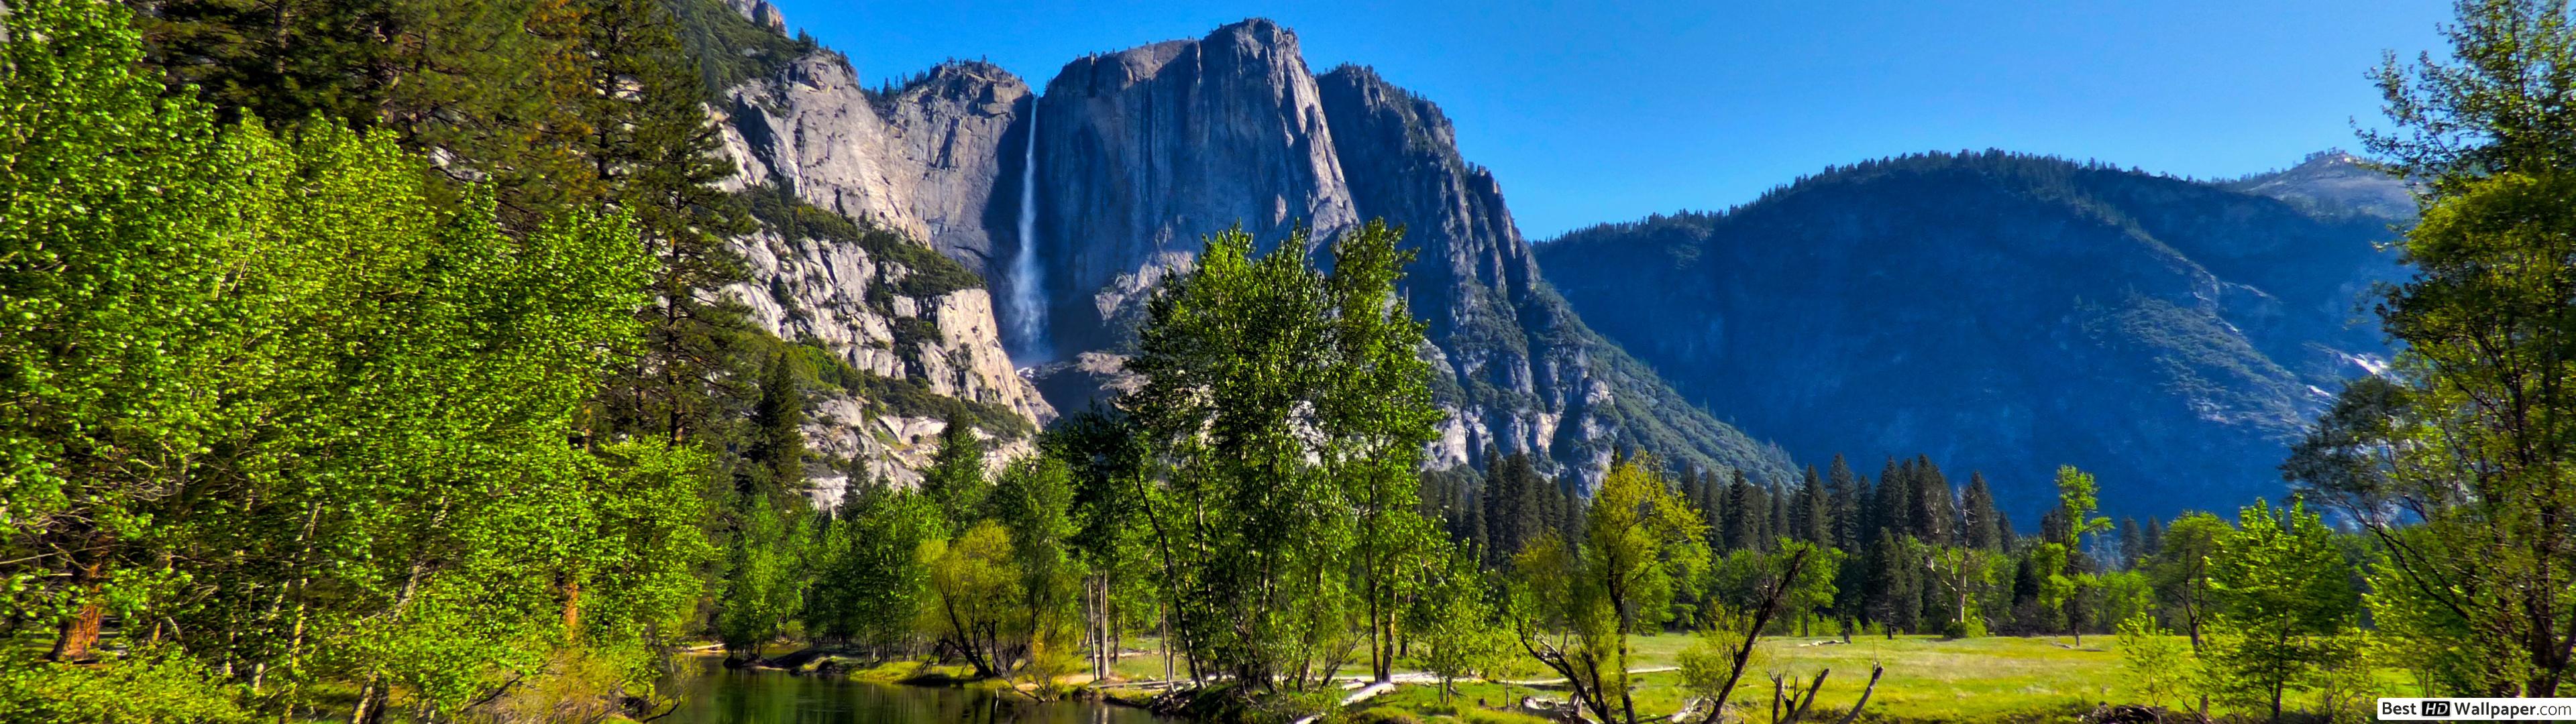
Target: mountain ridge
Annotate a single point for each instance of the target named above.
(2003, 312)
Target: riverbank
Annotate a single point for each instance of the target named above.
(1927, 679)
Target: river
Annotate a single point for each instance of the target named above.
(712, 694)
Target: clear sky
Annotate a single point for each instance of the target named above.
(1595, 112)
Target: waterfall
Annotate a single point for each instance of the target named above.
(1028, 307)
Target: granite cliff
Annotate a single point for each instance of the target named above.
(1141, 152)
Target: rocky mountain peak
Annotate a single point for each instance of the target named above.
(760, 13)
(1143, 151)
(2333, 181)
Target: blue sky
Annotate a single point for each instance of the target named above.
(1596, 112)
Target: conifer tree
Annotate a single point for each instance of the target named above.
(1809, 510)
(1776, 522)
(1981, 526)
(2154, 538)
(2132, 543)
(777, 452)
(1894, 598)
(1935, 513)
(1846, 491)
(1894, 505)
(956, 482)
(654, 152)
(1744, 515)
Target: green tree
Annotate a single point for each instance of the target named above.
(2180, 568)
(887, 569)
(2156, 664)
(1108, 468)
(1979, 522)
(2077, 496)
(2283, 598)
(776, 458)
(1578, 604)
(1457, 624)
(764, 589)
(1288, 409)
(2486, 323)
(956, 480)
(978, 603)
(1034, 504)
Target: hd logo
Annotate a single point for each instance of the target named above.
(2436, 707)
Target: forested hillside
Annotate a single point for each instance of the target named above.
(2004, 312)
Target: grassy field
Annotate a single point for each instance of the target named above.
(1927, 680)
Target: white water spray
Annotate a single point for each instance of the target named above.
(1028, 308)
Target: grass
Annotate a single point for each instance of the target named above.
(1927, 679)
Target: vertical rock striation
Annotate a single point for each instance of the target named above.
(1145, 150)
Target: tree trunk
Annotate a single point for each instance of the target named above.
(77, 635)
(572, 610)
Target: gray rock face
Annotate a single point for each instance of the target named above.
(1145, 150)
(760, 13)
(925, 160)
(2333, 182)
(848, 301)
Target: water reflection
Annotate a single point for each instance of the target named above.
(713, 694)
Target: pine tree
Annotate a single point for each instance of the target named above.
(1744, 515)
(777, 454)
(1846, 491)
(1776, 522)
(956, 482)
(1895, 504)
(1809, 510)
(1710, 497)
(1981, 526)
(1935, 512)
(1894, 598)
(2132, 543)
(2154, 538)
(655, 154)
(1501, 507)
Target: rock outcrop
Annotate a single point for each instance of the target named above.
(1145, 150)
(922, 161)
(926, 159)
(2334, 182)
(852, 303)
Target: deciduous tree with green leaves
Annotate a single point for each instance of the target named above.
(2482, 437)
(1287, 409)
(2283, 599)
(1578, 603)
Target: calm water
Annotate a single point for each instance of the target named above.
(713, 694)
